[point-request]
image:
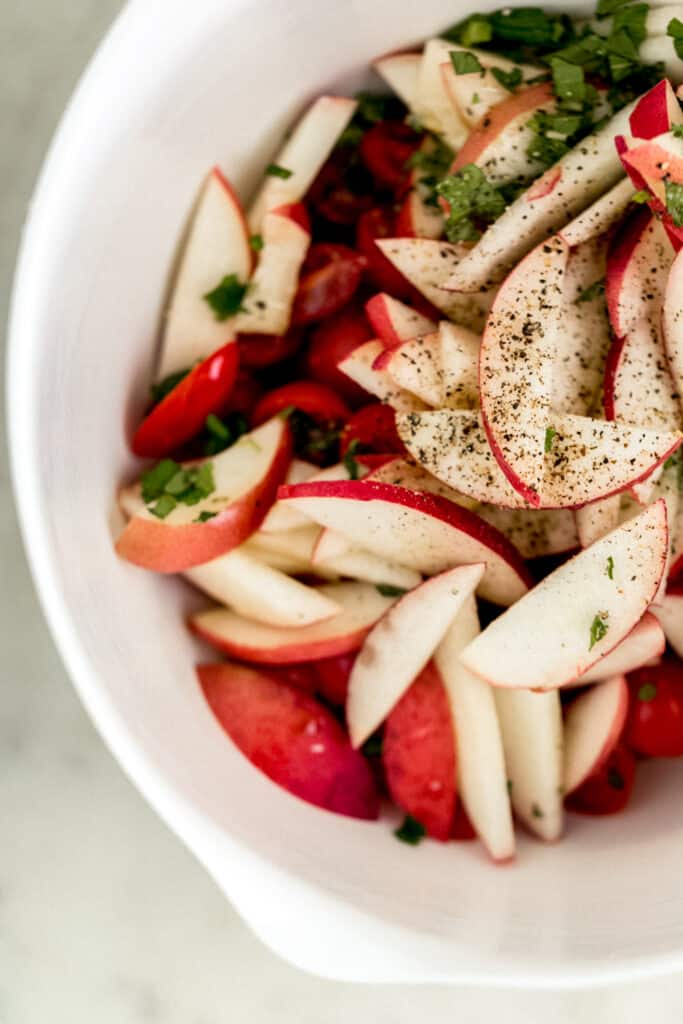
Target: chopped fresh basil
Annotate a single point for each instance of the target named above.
(227, 297)
(164, 387)
(217, 427)
(568, 80)
(622, 54)
(276, 171)
(475, 98)
(508, 786)
(476, 29)
(223, 433)
(163, 506)
(256, 242)
(606, 7)
(675, 30)
(599, 629)
(529, 26)
(389, 590)
(374, 106)
(508, 79)
(677, 131)
(536, 811)
(172, 483)
(609, 568)
(204, 516)
(641, 196)
(647, 692)
(633, 21)
(154, 480)
(674, 201)
(592, 291)
(349, 460)
(465, 63)
(473, 202)
(411, 831)
(550, 433)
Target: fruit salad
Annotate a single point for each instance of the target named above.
(414, 432)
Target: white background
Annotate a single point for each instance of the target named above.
(104, 917)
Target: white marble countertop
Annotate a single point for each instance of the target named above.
(104, 917)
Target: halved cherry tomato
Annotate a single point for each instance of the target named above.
(462, 826)
(609, 789)
(182, 413)
(374, 428)
(245, 393)
(321, 403)
(303, 676)
(333, 677)
(332, 341)
(331, 194)
(385, 150)
(380, 222)
(258, 350)
(329, 278)
(655, 723)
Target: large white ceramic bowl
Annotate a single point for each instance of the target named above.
(176, 87)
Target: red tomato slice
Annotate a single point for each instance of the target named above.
(259, 350)
(374, 428)
(462, 826)
(385, 150)
(301, 676)
(182, 413)
(655, 723)
(333, 677)
(292, 738)
(380, 222)
(331, 196)
(418, 755)
(332, 341)
(245, 393)
(609, 789)
(319, 402)
(329, 278)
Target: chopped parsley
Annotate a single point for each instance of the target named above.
(217, 427)
(350, 461)
(389, 590)
(476, 29)
(641, 196)
(592, 291)
(677, 131)
(609, 568)
(411, 831)
(550, 433)
(227, 297)
(599, 629)
(204, 516)
(606, 7)
(508, 79)
(164, 387)
(256, 242)
(465, 63)
(168, 484)
(536, 811)
(647, 692)
(508, 786)
(568, 80)
(374, 106)
(473, 202)
(674, 201)
(276, 171)
(675, 30)
(223, 432)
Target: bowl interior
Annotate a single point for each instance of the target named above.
(219, 84)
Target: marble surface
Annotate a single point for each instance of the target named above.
(104, 916)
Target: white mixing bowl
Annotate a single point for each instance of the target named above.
(176, 87)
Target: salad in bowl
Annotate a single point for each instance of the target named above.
(414, 431)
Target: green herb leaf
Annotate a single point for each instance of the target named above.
(606, 7)
(633, 21)
(677, 131)
(550, 433)
(224, 433)
(374, 106)
(599, 629)
(647, 692)
(528, 25)
(476, 29)
(568, 80)
(609, 569)
(508, 786)
(642, 196)
(674, 201)
(276, 171)
(508, 79)
(389, 590)
(622, 55)
(464, 62)
(472, 201)
(217, 427)
(204, 516)
(167, 385)
(227, 297)
(256, 242)
(349, 460)
(154, 480)
(536, 811)
(411, 831)
(163, 506)
(592, 291)
(675, 30)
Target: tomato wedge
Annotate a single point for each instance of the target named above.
(374, 429)
(609, 789)
(333, 340)
(333, 677)
(385, 150)
(380, 222)
(259, 350)
(337, 194)
(329, 278)
(182, 413)
(321, 403)
(655, 722)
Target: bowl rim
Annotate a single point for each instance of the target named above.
(186, 821)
